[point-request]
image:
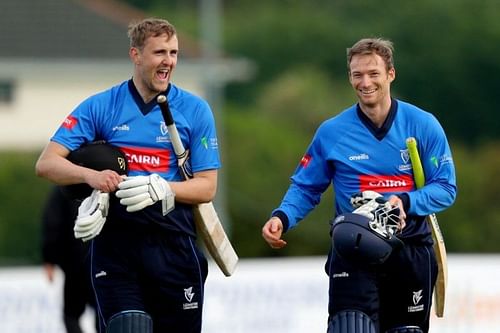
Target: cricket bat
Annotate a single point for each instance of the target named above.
(437, 236)
(206, 218)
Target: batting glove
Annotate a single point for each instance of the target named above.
(91, 215)
(384, 218)
(141, 191)
(361, 198)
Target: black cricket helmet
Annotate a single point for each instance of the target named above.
(354, 240)
(99, 156)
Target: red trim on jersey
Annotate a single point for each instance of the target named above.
(382, 183)
(147, 159)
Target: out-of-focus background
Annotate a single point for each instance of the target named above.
(272, 71)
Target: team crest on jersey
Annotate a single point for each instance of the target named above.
(163, 128)
(164, 133)
(405, 157)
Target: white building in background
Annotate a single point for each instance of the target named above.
(55, 53)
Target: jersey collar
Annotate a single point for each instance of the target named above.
(145, 108)
(379, 133)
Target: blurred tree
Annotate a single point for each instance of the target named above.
(302, 98)
(443, 54)
(22, 195)
(263, 156)
(472, 224)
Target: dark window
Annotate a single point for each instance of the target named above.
(6, 91)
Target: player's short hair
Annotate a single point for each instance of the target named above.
(382, 47)
(139, 31)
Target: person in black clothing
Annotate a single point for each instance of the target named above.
(61, 248)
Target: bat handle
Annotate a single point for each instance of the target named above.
(165, 110)
(418, 170)
(179, 149)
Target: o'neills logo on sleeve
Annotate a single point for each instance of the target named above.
(147, 159)
(381, 183)
(69, 122)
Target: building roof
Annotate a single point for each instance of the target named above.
(56, 29)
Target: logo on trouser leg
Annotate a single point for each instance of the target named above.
(417, 297)
(189, 294)
(100, 274)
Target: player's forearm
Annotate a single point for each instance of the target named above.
(297, 203)
(200, 189)
(432, 198)
(53, 165)
(62, 172)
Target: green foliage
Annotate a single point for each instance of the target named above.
(263, 155)
(20, 208)
(186, 20)
(472, 224)
(302, 98)
(444, 51)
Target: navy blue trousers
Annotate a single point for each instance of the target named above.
(395, 293)
(146, 268)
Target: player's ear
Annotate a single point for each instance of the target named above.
(391, 73)
(134, 55)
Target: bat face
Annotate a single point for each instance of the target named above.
(442, 278)
(215, 238)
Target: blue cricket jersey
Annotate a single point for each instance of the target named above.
(350, 153)
(121, 118)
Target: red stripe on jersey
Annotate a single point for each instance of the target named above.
(69, 122)
(147, 159)
(381, 183)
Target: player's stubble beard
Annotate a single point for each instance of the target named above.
(154, 85)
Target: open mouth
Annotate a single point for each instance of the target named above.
(368, 92)
(162, 74)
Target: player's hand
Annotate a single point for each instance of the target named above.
(91, 215)
(384, 217)
(395, 201)
(141, 191)
(272, 231)
(106, 180)
(366, 199)
(49, 271)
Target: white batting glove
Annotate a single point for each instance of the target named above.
(384, 218)
(141, 191)
(91, 215)
(361, 198)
